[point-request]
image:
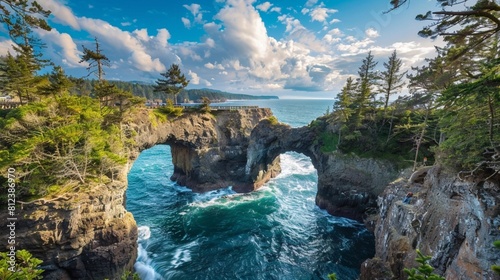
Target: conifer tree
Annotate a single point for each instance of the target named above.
(367, 79)
(18, 15)
(343, 106)
(173, 83)
(59, 83)
(470, 26)
(19, 70)
(96, 60)
(391, 78)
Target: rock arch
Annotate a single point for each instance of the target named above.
(348, 185)
(90, 234)
(209, 151)
(241, 148)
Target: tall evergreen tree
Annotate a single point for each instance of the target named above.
(470, 26)
(96, 60)
(59, 83)
(173, 83)
(470, 121)
(343, 106)
(391, 78)
(20, 68)
(367, 79)
(17, 15)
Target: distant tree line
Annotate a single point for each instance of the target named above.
(147, 91)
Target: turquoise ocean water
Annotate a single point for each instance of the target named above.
(276, 232)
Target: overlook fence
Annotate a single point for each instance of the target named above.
(9, 105)
(212, 108)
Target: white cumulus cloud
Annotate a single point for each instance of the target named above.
(371, 33)
(321, 14)
(264, 6)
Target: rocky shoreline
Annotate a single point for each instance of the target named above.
(88, 234)
(454, 221)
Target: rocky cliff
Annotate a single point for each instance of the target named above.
(81, 235)
(87, 232)
(348, 185)
(209, 151)
(453, 221)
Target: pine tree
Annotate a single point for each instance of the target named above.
(392, 80)
(18, 15)
(367, 79)
(343, 106)
(96, 60)
(173, 83)
(59, 83)
(470, 26)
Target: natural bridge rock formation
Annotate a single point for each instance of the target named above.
(209, 151)
(348, 186)
(241, 148)
(88, 234)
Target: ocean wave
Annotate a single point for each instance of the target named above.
(295, 164)
(144, 233)
(143, 265)
(182, 254)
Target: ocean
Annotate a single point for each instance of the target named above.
(276, 232)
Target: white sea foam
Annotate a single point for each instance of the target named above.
(295, 164)
(215, 197)
(226, 198)
(182, 255)
(143, 233)
(143, 265)
(215, 194)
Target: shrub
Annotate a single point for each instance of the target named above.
(170, 109)
(25, 268)
(423, 271)
(273, 120)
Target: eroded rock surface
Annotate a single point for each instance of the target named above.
(348, 185)
(88, 234)
(83, 235)
(209, 151)
(454, 221)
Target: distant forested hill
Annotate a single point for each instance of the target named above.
(146, 91)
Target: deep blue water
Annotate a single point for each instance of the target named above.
(276, 232)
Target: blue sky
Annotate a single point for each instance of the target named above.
(293, 49)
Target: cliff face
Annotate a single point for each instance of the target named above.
(208, 151)
(83, 235)
(348, 185)
(454, 221)
(88, 234)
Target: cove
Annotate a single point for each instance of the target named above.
(276, 232)
(90, 233)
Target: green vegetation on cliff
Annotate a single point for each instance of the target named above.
(424, 270)
(449, 117)
(65, 141)
(57, 141)
(22, 266)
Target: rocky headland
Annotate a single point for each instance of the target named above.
(88, 234)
